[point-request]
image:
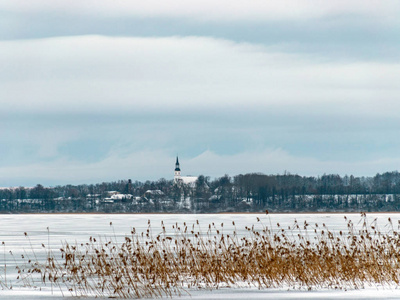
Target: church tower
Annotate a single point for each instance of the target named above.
(177, 175)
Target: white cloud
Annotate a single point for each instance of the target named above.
(208, 9)
(143, 165)
(103, 74)
(277, 161)
(155, 164)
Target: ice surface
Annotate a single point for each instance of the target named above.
(52, 230)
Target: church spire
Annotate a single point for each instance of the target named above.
(177, 174)
(177, 168)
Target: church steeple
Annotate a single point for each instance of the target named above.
(177, 165)
(177, 174)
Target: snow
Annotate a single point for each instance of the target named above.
(121, 196)
(155, 192)
(79, 227)
(255, 294)
(232, 294)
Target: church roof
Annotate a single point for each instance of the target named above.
(189, 179)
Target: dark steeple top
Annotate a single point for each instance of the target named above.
(177, 165)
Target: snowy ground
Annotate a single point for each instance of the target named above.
(237, 294)
(54, 229)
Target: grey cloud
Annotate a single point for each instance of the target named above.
(116, 94)
(94, 73)
(209, 10)
(353, 33)
(149, 164)
(99, 146)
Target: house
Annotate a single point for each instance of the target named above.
(116, 197)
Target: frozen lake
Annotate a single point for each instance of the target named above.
(52, 230)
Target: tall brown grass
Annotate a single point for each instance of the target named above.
(305, 256)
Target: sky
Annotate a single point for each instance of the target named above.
(94, 91)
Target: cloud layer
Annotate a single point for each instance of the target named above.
(207, 9)
(153, 165)
(98, 90)
(95, 73)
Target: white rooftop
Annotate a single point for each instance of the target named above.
(189, 179)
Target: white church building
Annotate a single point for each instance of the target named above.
(178, 178)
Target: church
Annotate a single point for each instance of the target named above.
(178, 178)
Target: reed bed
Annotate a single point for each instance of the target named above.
(172, 262)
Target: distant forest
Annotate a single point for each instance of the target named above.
(241, 193)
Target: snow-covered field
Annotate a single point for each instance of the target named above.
(52, 230)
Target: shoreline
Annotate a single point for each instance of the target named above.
(212, 213)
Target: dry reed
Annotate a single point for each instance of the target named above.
(306, 256)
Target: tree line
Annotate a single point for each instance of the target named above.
(244, 192)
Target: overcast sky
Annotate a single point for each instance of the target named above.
(94, 91)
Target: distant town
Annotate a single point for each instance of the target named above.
(253, 192)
